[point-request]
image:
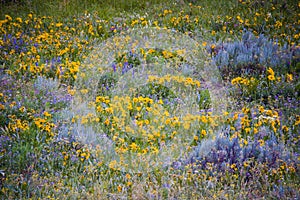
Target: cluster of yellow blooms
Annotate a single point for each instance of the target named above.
(187, 81)
(45, 51)
(42, 123)
(271, 74)
(244, 125)
(18, 124)
(142, 117)
(252, 81)
(242, 81)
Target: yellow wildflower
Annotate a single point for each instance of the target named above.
(271, 77)
(289, 77)
(203, 133)
(270, 71)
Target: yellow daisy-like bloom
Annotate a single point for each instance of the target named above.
(289, 77)
(261, 142)
(285, 128)
(203, 133)
(19, 19)
(271, 77)
(128, 176)
(270, 71)
(119, 188)
(297, 122)
(150, 51)
(46, 114)
(58, 24)
(261, 109)
(236, 80)
(255, 131)
(106, 122)
(167, 54)
(9, 18)
(166, 12)
(133, 146)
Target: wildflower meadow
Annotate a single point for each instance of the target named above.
(174, 99)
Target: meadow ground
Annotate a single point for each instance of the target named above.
(149, 99)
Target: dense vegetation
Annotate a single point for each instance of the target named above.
(149, 100)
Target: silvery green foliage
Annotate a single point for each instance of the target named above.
(50, 93)
(254, 51)
(223, 152)
(42, 83)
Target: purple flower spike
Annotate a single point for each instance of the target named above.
(114, 67)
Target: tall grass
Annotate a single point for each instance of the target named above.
(65, 8)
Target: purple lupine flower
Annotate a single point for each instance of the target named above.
(114, 67)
